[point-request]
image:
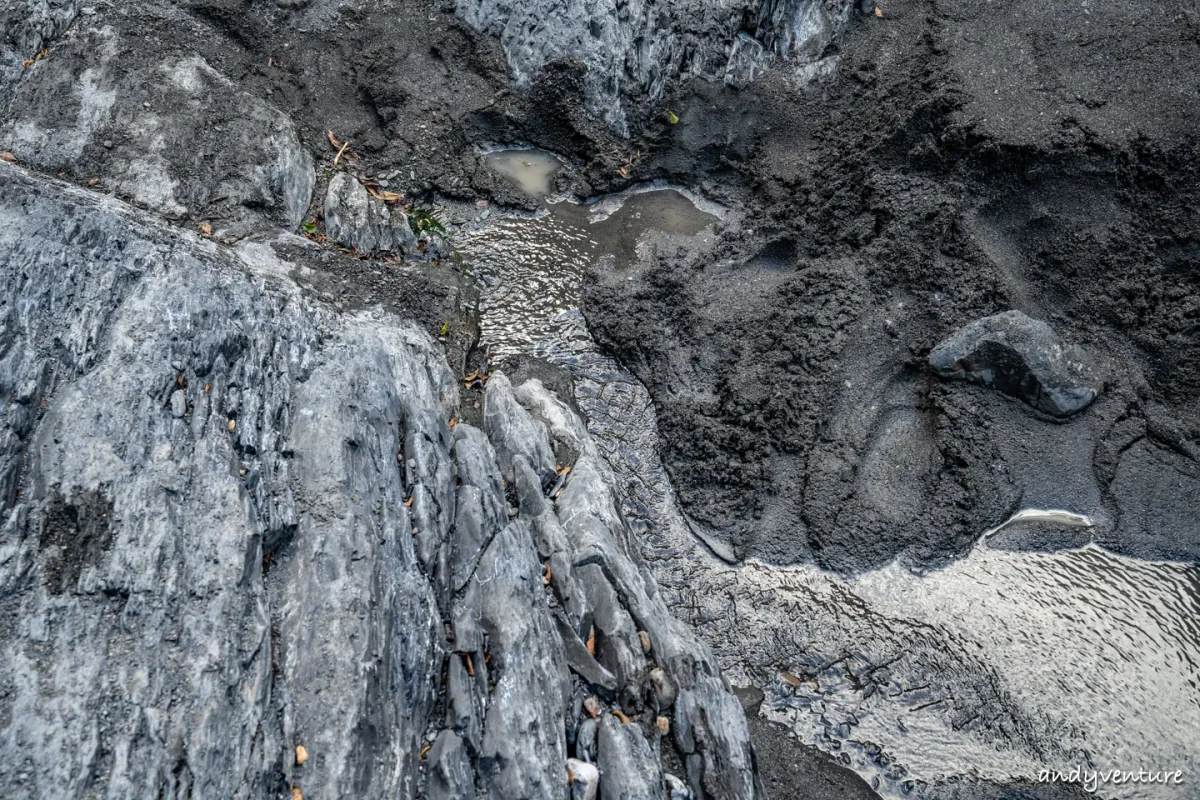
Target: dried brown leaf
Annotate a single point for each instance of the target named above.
(385, 196)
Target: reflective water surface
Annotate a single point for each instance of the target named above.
(993, 668)
(531, 268)
(531, 170)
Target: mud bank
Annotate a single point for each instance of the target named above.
(962, 161)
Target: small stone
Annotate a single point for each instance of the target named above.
(229, 426)
(592, 707)
(585, 740)
(1020, 357)
(301, 755)
(645, 637)
(663, 724)
(584, 778)
(178, 403)
(677, 789)
(664, 690)
(108, 144)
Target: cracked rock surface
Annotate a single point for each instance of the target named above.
(634, 52)
(235, 521)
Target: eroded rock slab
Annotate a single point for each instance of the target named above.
(354, 218)
(633, 52)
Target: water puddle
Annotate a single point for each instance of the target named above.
(531, 170)
(531, 268)
(994, 668)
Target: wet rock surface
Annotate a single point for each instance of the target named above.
(311, 554)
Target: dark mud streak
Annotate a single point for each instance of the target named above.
(73, 535)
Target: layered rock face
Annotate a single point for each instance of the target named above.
(634, 52)
(355, 218)
(236, 522)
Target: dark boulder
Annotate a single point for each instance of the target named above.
(1021, 357)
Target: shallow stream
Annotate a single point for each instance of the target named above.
(993, 668)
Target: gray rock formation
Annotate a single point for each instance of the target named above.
(585, 780)
(171, 134)
(25, 29)
(634, 51)
(368, 224)
(630, 769)
(235, 521)
(1021, 357)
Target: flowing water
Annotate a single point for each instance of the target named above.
(996, 667)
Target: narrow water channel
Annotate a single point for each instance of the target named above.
(994, 668)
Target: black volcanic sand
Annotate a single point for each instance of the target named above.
(965, 159)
